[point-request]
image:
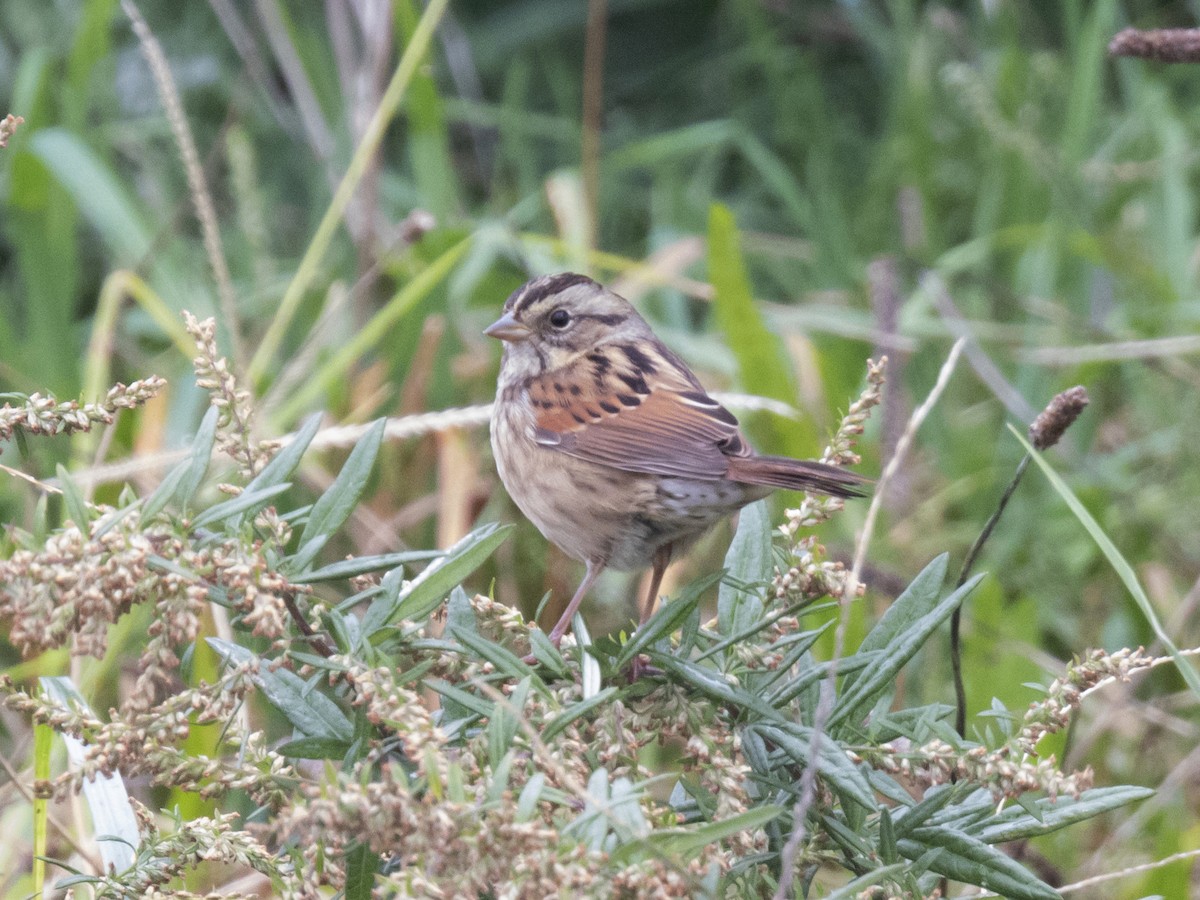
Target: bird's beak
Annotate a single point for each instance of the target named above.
(506, 328)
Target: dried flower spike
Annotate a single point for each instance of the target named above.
(1172, 45)
(1047, 429)
(46, 415)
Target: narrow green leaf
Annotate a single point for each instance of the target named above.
(964, 858)
(530, 795)
(591, 825)
(748, 562)
(1058, 813)
(546, 653)
(505, 661)
(501, 769)
(126, 506)
(832, 763)
(386, 596)
(576, 711)
(466, 699)
(935, 800)
(427, 139)
(96, 190)
(506, 719)
(360, 565)
(202, 447)
(311, 713)
(460, 614)
(763, 367)
(1116, 560)
(813, 673)
(714, 685)
(666, 619)
(877, 678)
(314, 748)
(915, 601)
(362, 864)
(856, 888)
(281, 466)
(853, 842)
(245, 502)
(887, 838)
(915, 723)
(76, 506)
(166, 490)
(755, 627)
(425, 592)
(685, 843)
(334, 506)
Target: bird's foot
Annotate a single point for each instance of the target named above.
(641, 667)
(555, 637)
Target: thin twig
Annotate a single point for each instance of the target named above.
(1044, 432)
(14, 779)
(318, 641)
(829, 683)
(960, 691)
(593, 112)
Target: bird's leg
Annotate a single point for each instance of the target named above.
(564, 622)
(662, 559)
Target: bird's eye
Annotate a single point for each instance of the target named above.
(560, 318)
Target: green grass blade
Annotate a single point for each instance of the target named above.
(1121, 565)
(413, 55)
(101, 198)
(763, 368)
(374, 331)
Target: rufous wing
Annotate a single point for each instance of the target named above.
(637, 409)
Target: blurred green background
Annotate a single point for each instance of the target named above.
(898, 174)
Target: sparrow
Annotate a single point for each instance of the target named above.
(608, 442)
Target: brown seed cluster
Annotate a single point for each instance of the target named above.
(811, 576)
(1048, 428)
(72, 589)
(1065, 694)
(43, 414)
(234, 425)
(1006, 772)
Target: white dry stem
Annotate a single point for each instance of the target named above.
(401, 429)
(828, 684)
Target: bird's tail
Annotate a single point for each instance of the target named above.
(796, 475)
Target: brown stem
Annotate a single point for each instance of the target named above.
(593, 108)
(318, 642)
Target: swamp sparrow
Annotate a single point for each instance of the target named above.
(609, 444)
